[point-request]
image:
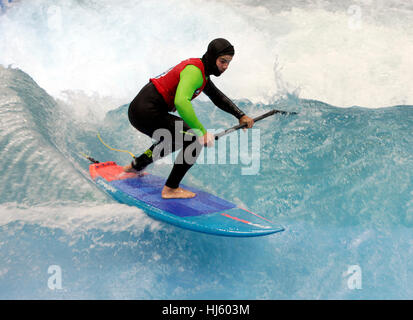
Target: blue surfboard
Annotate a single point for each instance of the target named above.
(204, 213)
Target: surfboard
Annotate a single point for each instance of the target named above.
(205, 212)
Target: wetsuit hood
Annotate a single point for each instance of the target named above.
(216, 48)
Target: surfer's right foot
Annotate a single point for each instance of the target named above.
(177, 193)
(129, 169)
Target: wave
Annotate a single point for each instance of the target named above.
(35, 167)
(339, 179)
(344, 52)
(353, 161)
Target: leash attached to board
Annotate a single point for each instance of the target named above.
(107, 146)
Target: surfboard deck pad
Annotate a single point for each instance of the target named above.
(205, 212)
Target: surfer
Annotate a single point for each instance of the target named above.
(173, 91)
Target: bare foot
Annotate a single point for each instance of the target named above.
(128, 168)
(178, 193)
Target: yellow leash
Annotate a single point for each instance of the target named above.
(113, 149)
(88, 157)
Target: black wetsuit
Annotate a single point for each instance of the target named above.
(149, 112)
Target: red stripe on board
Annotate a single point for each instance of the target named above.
(235, 218)
(255, 214)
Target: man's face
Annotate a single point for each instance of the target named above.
(223, 62)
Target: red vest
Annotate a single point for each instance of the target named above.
(167, 82)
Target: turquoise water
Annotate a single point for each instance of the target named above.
(338, 179)
(338, 176)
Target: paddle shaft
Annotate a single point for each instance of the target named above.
(240, 126)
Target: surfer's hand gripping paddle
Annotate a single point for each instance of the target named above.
(263, 116)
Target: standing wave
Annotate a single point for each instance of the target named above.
(338, 179)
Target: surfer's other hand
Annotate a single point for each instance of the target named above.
(207, 139)
(245, 119)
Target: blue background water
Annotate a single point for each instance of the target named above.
(338, 177)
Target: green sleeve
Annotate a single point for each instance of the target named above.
(190, 80)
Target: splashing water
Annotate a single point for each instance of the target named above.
(339, 179)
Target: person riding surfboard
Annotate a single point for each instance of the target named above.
(173, 91)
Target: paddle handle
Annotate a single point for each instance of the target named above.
(240, 126)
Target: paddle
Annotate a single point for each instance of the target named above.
(263, 116)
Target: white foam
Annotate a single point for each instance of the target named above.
(78, 219)
(354, 55)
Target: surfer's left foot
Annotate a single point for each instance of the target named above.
(178, 193)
